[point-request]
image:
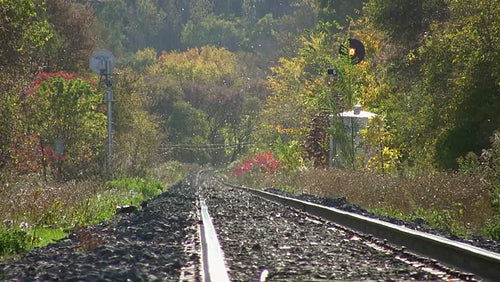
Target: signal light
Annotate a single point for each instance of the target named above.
(354, 49)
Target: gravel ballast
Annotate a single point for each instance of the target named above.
(259, 236)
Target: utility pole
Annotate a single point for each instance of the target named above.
(102, 62)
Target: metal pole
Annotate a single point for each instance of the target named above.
(102, 63)
(109, 99)
(352, 143)
(330, 155)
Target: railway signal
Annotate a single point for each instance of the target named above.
(354, 49)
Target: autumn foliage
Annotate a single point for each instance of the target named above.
(261, 162)
(57, 109)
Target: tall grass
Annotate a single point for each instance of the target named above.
(34, 212)
(457, 202)
(446, 200)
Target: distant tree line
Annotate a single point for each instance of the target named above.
(250, 71)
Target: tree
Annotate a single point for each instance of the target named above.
(61, 113)
(207, 64)
(339, 11)
(112, 16)
(74, 39)
(468, 46)
(404, 21)
(23, 31)
(132, 25)
(148, 21)
(211, 30)
(137, 132)
(188, 125)
(206, 84)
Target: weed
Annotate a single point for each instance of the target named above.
(13, 241)
(48, 208)
(88, 241)
(143, 188)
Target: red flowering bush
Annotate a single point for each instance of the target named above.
(262, 162)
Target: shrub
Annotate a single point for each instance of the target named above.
(13, 241)
(487, 166)
(260, 162)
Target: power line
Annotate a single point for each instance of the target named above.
(205, 146)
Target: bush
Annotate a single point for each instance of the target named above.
(493, 228)
(487, 166)
(261, 162)
(13, 241)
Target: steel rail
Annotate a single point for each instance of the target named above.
(213, 266)
(482, 263)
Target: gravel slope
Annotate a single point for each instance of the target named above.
(419, 224)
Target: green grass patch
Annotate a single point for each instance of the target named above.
(141, 188)
(44, 236)
(118, 192)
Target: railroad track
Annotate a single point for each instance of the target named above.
(439, 257)
(260, 237)
(485, 264)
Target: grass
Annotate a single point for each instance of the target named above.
(35, 213)
(45, 236)
(456, 202)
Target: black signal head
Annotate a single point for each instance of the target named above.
(354, 49)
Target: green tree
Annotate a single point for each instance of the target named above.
(148, 21)
(61, 109)
(132, 25)
(73, 37)
(339, 11)
(207, 83)
(23, 31)
(468, 47)
(112, 17)
(137, 132)
(213, 31)
(404, 21)
(187, 125)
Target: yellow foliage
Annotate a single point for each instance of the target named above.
(146, 54)
(291, 131)
(376, 138)
(204, 64)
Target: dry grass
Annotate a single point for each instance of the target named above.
(36, 202)
(460, 200)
